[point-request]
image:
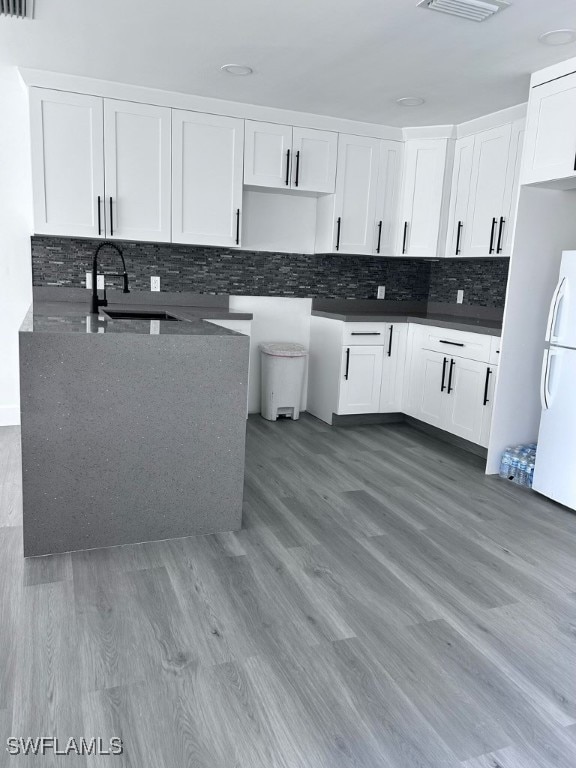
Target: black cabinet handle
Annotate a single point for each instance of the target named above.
(237, 226)
(500, 232)
(452, 343)
(99, 216)
(364, 333)
(297, 168)
(450, 387)
(338, 228)
(111, 219)
(458, 236)
(444, 364)
(492, 231)
(390, 341)
(379, 236)
(405, 235)
(347, 363)
(486, 385)
(287, 167)
(575, 162)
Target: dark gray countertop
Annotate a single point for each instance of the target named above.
(477, 325)
(57, 312)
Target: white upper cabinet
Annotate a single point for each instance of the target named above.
(137, 153)
(314, 156)
(486, 220)
(67, 163)
(356, 191)
(460, 196)
(550, 150)
(206, 178)
(422, 196)
(267, 154)
(389, 177)
(282, 157)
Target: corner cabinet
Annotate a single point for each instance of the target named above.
(550, 152)
(67, 163)
(422, 198)
(207, 171)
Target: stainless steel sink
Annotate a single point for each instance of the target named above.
(127, 314)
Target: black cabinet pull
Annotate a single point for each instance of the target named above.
(492, 231)
(347, 363)
(338, 228)
(452, 343)
(452, 365)
(390, 341)
(575, 162)
(486, 385)
(458, 236)
(364, 333)
(287, 167)
(297, 168)
(500, 232)
(111, 219)
(237, 226)
(99, 217)
(379, 236)
(444, 364)
(405, 235)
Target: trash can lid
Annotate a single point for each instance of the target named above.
(283, 349)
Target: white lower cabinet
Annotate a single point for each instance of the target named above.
(427, 386)
(361, 379)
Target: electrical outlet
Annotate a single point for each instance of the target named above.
(155, 283)
(100, 283)
(381, 291)
(154, 327)
(89, 280)
(460, 297)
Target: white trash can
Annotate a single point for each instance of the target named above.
(283, 367)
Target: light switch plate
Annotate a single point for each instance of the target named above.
(89, 280)
(155, 283)
(100, 282)
(460, 297)
(381, 291)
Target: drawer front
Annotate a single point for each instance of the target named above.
(366, 334)
(495, 351)
(472, 346)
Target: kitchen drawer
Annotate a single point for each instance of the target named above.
(472, 346)
(366, 334)
(495, 351)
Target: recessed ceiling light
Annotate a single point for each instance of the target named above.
(410, 101)
(237, 69)
(558, 37)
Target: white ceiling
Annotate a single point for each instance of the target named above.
(347, 58)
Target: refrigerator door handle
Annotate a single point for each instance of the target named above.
(544, 379)
(553, 316)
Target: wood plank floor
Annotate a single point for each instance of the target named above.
(385, 605)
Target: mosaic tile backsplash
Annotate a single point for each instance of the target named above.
(62, 261)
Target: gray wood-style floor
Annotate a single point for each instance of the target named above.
(385, 605)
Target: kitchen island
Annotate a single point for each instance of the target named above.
(133, 429)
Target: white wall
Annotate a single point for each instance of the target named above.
(545, 226)
(275, 319)
(15, 230)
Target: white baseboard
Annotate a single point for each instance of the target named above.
(9, 415)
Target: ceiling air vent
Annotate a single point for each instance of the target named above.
(473, 10)
(20, 9)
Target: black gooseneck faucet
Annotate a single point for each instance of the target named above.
(97, 302)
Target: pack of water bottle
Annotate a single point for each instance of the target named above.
(517, 464)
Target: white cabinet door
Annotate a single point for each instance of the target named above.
(512, 185)
(137, 162)
(491, 377)
(421, 208)
(550, 151)
(464, 401)
(428, 383)
(389, 178)
(314, 160)
(206, 178)
(460, 197)
(267, 154)
(360, 380)
(394, 358)
(67, 163)
(484, 232)
(355, 200)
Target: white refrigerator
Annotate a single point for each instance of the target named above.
(555, 468)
